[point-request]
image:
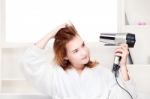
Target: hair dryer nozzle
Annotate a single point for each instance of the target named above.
(108, 38)
(118, 38)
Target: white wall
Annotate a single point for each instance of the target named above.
(138, 17)
(28, 20)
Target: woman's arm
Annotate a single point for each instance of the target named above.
(44, 40)
(35, 65)
(123, 52)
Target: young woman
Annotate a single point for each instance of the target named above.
(73, 75)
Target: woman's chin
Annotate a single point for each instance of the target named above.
(86, 60)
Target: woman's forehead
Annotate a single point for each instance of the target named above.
(75, 43)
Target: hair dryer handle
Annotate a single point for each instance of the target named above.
(116, 63)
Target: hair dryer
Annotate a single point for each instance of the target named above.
(114, 39)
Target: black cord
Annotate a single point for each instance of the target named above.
(116, 72)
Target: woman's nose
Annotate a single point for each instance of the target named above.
(83, 52)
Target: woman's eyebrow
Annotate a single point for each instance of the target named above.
(83, 43)
(78, 48)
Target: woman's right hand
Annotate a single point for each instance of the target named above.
(44, 40)
(54, 32)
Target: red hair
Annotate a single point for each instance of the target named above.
(63, 36)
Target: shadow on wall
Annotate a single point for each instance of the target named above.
(149, 60)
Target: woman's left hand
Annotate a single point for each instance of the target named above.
(123, 52)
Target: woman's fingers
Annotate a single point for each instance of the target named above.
(122, 50)
(69, 23)
(124, 46)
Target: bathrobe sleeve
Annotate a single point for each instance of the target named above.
(37, 69)
(115, 92)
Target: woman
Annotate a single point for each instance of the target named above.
(74, 75)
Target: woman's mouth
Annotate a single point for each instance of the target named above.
(84, 58)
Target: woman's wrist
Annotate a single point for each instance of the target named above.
(124, 68)
(51, 35)
(44, 40)
(124, 72)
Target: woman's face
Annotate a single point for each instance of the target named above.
(77, 52)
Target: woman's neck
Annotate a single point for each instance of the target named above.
(79, 70)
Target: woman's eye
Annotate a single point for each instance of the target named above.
(75, 51)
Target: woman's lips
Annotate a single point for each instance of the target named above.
(84, 58)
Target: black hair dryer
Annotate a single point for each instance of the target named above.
(113, 39)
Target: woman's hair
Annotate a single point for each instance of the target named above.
(63, 36)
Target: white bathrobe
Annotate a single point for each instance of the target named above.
(93, 83)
